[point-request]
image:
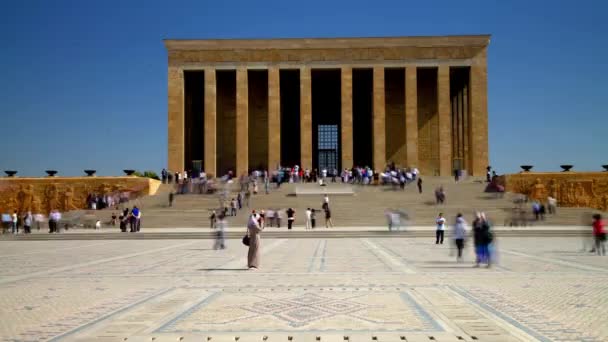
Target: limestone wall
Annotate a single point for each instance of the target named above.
(40, 195)
(571, 189)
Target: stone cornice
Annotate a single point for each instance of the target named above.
(326, 43)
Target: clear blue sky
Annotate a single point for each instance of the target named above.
(83, 83)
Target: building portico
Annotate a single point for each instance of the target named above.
(248, 104)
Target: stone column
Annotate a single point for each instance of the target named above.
(305, 118)
(274, 118)
(445, 120)
(379, 117)
(242, 122)
(465, 128)
(411, 117)
(347, 117)
(210, 123)
(175, 122)
(478, 116)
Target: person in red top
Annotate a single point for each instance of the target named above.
(599, 234)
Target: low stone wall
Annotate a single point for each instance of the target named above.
(571, 189)
(40, 195)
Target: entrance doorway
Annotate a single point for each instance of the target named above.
(328, 147)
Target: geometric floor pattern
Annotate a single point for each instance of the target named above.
(400, 289)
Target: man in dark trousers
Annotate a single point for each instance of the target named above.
(419, 185)
(290, 217)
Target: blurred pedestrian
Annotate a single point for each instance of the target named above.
(220, 233)
(308, 218)
(212, 219)
(460, 233)
(291, 217)
(313, 218)
(27, 222)
(328, 221)
(439, 232)
(599, 234)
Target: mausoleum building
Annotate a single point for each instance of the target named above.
(243, 104)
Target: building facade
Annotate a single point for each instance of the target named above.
(331, 102)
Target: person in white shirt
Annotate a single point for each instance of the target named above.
(440, 221)
(415, 173)
(97, 224)
(308, 216)
(14, 228)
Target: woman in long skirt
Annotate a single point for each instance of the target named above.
(253, 229)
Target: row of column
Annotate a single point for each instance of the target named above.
(476, 128)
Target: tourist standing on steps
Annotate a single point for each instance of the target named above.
(313, 218)
(460, 233)
(171, 197)
(599, 234)
(291, 217)
(440, 221)
(253, 230)
(247, 197)
(233, 205)
(212, 219)
(419, 185)
(308, 218)
(163, 175)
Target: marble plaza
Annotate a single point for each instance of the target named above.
(308, 289)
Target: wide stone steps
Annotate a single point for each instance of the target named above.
(320, 233)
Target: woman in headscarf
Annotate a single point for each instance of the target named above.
(253, 230)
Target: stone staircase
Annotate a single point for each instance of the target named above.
(365, 208)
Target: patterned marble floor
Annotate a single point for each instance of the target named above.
(316, 290)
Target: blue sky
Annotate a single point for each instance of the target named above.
(83, 83)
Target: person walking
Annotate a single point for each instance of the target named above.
(27, 222)
(328, 221)
(440, 221)
(233, 205)
(14, 226)
(599, 234)
(171, 198)
(460, 233)
(220, 233)
(482, 237)
(313, 218)
(253, 231)
(291, 217)
(419, 183)
(308, 219)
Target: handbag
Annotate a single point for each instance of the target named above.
(246, 240)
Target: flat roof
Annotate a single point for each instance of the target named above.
(327, 43)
